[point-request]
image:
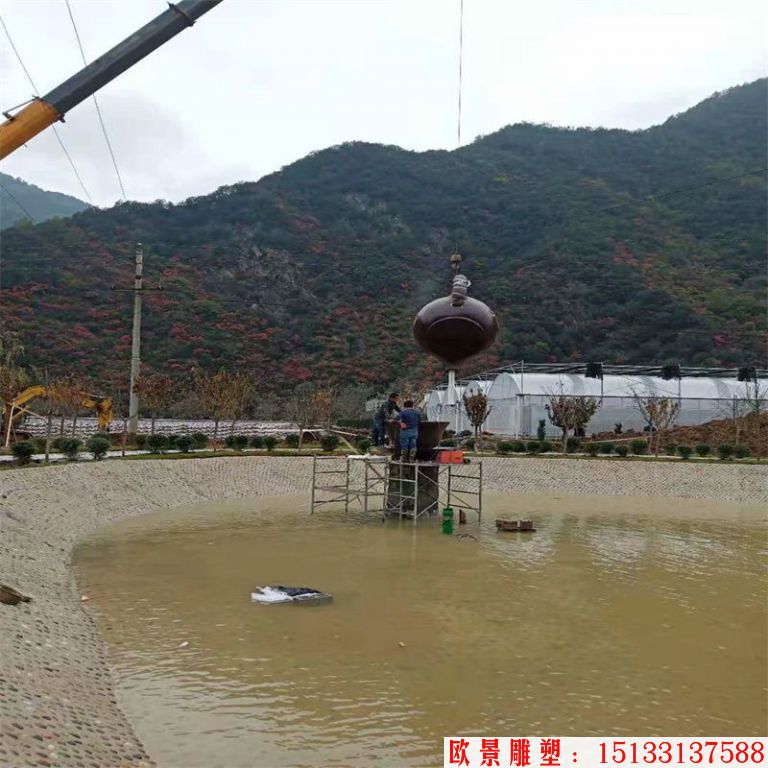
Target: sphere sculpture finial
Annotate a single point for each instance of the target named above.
(456, 327)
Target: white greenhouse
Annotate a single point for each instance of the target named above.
(517, 399)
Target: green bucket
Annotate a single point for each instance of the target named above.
(448, 521)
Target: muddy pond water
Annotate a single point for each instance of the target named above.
(618, 616)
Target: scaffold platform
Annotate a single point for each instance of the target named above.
(403, 489)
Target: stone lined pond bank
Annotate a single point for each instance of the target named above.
(57, 704)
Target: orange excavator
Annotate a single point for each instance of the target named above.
(13, 410)
(46, 110)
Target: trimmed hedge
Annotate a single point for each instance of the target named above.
(98, 447)
(22, 451)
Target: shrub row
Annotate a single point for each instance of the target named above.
(635, 447)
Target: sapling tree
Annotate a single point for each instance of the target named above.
(218, 395)
(13, 377)
(659, 414)
(478, 410)
(306, 407)
(157, 392)
(570, 413)
(240, 391)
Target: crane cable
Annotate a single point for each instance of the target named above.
(96, 103)
(18, 202)
(457, 261)
(461, 56)
(37, 93)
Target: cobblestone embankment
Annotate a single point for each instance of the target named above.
(57, 704)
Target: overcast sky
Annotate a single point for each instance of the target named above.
(257, 84)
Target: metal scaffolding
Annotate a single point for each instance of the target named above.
(411, 490)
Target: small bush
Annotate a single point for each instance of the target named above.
(98, 447)
(572, 444)
(22, 451)
(141, 441)
(257, 441)
(56, 443)
(329, 441)
(184, 443)
(670, 449)
(364, 444)
(546, 447)
(639, 447)
(684, 451)
(170, 441)
(104, 435)
(504, 447)
(469, 443)
(703, 450)
(39, 443)
(270, 441)
(518, 447)
(241, 442)
(592, 448)
(605, 447)
(448, 442)
(541, 430)
(70, 447)
(157, 443)
(622, 449)
(742, 452)
(449, 432)
(533, 446)
(725, 451)
(199, 440)
(292, 440)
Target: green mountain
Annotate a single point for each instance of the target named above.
(608, 245)
(19, 201)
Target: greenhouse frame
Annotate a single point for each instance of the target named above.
(518, 395)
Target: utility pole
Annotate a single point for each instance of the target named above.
(137, 290)
(133, 398)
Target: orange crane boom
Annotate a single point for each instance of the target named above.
(44, 111)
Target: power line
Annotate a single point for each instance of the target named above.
(15, 200)
(37, 93)
(96, 103)
(461, 56)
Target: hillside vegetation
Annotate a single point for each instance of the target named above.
(18, 198)
(609, 245)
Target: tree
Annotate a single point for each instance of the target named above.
(351, 402)
(570, 413)
(219, 395)
(157, 392)
(61, 396)
(477, 408)
(240, 391)
(117, 389)
(306, 407)
(13, 377)
(749, 411)
(659, 414)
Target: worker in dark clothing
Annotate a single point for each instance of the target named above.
(410, 419)
(383, 418)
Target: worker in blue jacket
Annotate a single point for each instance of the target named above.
(410, 419)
